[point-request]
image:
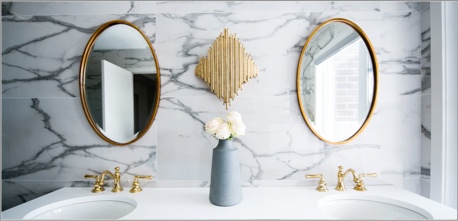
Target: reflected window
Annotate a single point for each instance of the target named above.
(345, 94)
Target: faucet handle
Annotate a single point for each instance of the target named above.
(136, 185)
(86, 176)
(97, 187)
(321, 184)
(360, 183)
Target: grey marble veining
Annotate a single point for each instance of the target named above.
(28, 70)
(263, 36)
(78, 8)
(425, 5)
(55, 157)
(402, 58)
(265, 6)
(6, 8)
(48, 143)
(414, 6)
(400, 6)
(41, 57)
(279, 149)
(426, 101)
(425, 52)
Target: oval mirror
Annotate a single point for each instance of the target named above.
(337, 80)
(119, 82)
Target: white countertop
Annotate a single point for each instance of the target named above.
(259, 203)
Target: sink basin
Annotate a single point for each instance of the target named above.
(360, 206)
(89, 207)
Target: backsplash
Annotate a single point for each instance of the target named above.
(48, 143)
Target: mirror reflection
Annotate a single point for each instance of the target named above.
(337, 81)
(121, 83)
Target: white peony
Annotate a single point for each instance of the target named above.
(223, 131)
(238, 128)
(234, 116)
(212, 125)
(229, 129)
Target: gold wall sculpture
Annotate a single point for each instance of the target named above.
(226, 67)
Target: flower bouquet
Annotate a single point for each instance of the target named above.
(226, 130)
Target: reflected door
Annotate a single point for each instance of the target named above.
(117, 86)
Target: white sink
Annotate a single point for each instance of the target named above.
(89, 207)
(362, 206)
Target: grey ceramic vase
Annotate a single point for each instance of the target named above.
(225, 183)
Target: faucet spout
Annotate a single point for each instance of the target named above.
(116, 177)
(102, 177)
(340, 177)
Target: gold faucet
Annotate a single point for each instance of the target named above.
(116, 177)
(357, 179)
(340, 176)
(100, 181)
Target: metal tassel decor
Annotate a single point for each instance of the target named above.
(227, 67)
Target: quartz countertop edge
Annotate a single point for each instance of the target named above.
(259, 203)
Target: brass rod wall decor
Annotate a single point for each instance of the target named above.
(226, 67)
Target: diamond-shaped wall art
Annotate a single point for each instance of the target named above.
(226, 67)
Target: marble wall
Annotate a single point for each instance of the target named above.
(47, 142)
(425, 99)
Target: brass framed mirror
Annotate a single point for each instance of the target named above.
(337, 81)
(119, 82)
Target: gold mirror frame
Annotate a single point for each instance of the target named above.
(375, 69)
(82, 81)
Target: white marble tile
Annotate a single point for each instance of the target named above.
(264, 6)
(275, 41)
(351, 6)
(402, 28)
(41, 60)
(425, 188)
(395, 129)
(426, 100)
(412, 185)
(303, 182)
(32, 65)
(61, 145)
(425, 5)
(195, 6)
(409, 182)
(78, 8)
(278, 145)
(400, 55)
(400, 6)
(396, 121)
(410, 137)
(426, 136)
(271, 125)
(348, 156)
(425, 52)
